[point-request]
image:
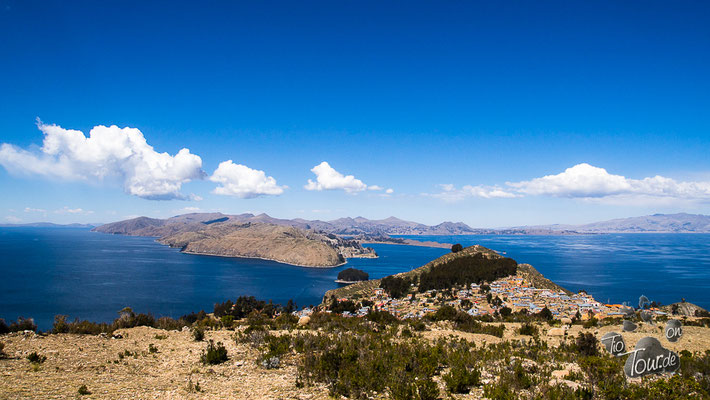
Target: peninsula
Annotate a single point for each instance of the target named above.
(217, 235)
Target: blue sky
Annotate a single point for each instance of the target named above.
(487, 113)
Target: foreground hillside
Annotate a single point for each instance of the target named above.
(467, 325)
(213, 234)
(331, 355)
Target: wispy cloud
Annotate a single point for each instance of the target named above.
(68, 210)
(451, 193)
(590, 183)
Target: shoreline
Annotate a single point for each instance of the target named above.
(261, 258)
(348, 282)
(417, 243)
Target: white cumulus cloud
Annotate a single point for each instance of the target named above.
(243, 182)
(327, 178)
(107, 153)
(585, 181)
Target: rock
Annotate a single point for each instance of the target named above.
(560, 373)
(303, 321)
(572, 385)
(117, 336)
(186, 329)
(557, 331)
(566, 321)
(629, 326)
(271, 363)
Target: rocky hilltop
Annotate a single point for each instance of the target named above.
(526, 271)
(218, 235)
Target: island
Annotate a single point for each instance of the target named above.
(352, 275)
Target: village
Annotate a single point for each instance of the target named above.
(512, 294)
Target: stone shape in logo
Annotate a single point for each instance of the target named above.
(674, 330)
(628, 326)
(650, 357)
(627, 311)
(614, 343)
(644, 302)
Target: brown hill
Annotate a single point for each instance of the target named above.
(285, 244)
(221, 235)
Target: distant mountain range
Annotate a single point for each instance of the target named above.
(144, 226)
(47, 225)
(657, 223)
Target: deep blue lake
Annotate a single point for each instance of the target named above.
(75, 272)
(46, 271)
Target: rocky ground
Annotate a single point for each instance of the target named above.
(126, 368)
(173, 372)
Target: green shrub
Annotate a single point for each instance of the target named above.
(460, 379)
(36, 358)
(396, 286)
(501, 391)
(152, 349)
(590, 323)
(456, 248)
(215, 354)
(545, 314)
(60, 324)
(275, 346)
(587, 344)
(528, 329)
(170, 324)
(83, 390)
(198, 334)
(286, 321)
(341, 306)
(227, 321)
(22, 324)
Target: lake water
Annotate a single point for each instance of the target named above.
(45, 271)
(48, 271)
